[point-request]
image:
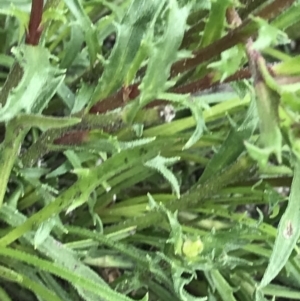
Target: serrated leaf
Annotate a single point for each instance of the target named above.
(73, 158)
(134, 26)
(135, 143)
(39, 82)
(287, 234)
(261, 155)
(196, 110)
(159, 163)
(233, 145)
(230, 149)
(53, 14)
(176, 235)
(268, 35)
(43, 232)
(179, 286)
(200, 125)
(151, 202)
(164, 52)
(20, 15)
(231, 60)
(97, 142)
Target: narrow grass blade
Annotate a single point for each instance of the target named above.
(288, 232)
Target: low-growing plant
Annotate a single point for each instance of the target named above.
(150, 150)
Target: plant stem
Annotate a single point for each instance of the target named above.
(59, 139)
(238, 35)
(34, 29)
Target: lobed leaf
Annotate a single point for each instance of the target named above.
(39, 83)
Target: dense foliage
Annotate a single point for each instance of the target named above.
(150, 150)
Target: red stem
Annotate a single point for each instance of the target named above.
(238, 35)
(34, 28)
(117, 100)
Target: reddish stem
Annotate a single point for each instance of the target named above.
(238, 35)
(117, 100)
(34, 27)
(72, 138)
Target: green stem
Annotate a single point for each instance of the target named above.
(58, 139)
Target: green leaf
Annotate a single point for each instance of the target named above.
(215, 25)
(288, 232)
(6, 60)
(196, 109)
(3, 295)
(85, 185)
(60, 254)
(267, 107)
(43, 231)
(102, 291)
(39, 82)
(82, 98)
(76, 8)
(288, 67)
(66, 95)
(26, 282)
(268, 35)
(54, 14)
(224, 289)
(73, 46)
(138, 60)
(231, 60)
(144, 261)
(159, 163)
(165, 51)
(259, 296)
(139, 18)
(231, 148)
(19, 14)
(176, 235)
